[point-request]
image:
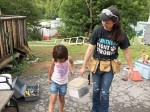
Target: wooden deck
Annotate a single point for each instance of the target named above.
(4, 98)
(13, 34)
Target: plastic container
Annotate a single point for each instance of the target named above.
(126, 71)
(144, 69)
(29, 92)
(78, 87)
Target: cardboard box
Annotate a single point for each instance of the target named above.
(143, 68)
(29, 92)
(78, 87)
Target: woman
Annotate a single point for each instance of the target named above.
(104, 43)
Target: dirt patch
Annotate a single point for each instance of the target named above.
(37, 68)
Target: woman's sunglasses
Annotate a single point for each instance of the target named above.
(109, 13)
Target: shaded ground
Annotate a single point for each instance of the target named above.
(37, 68)
(125, 96)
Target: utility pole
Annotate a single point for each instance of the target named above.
(149, 19)
(149, 13)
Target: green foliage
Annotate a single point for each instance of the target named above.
(17, 70)
(52, 8)
(139, 33)
(74, 17)
(81, 15)
(27, 8)
(34, 34)
(131, 13)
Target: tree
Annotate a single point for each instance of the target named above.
(80, 16)
(131, 12)
(27, 8)
(52, 8)
(75, 16)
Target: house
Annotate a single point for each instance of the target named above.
(146, 38)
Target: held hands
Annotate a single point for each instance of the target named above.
(71, 72)
(82, 71)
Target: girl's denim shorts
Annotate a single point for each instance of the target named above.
(56, 88)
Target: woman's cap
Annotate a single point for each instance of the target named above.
(111, 13)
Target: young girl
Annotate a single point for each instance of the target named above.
(60, 67)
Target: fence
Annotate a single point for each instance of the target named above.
(69, 41)
(13, 35)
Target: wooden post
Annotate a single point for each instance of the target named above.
(69, 40)
(77, 40)
(4, 42)
(9, 28)
(14, 33)
(1, 43)
(25, 31)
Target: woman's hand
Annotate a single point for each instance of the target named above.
(86, 59)
(82, 71)
(131, 73)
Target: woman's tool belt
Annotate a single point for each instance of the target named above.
(105, 66)
(116, 66)
(93, 64)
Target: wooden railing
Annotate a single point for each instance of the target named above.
(69, 41)
(13, 34)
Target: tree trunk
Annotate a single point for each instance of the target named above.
(91, 17)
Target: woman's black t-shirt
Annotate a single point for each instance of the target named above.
(105, 47)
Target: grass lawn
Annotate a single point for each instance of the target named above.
(136, 51)
(44, 53)
(78, 51)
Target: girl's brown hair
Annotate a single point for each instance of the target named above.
(60, 52)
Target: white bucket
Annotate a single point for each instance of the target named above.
(78, 87)
(5, 85)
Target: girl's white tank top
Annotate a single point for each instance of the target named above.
(61, 71)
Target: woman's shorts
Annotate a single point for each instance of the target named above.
(56, 88)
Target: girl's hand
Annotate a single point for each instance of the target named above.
(49, 81)
(71, 72)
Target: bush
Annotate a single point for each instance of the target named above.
(34, 34)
